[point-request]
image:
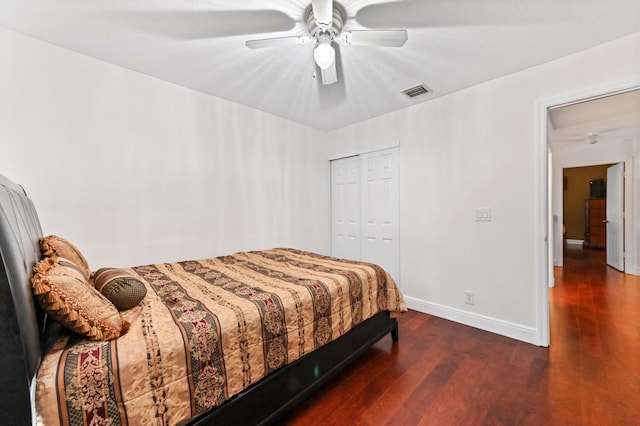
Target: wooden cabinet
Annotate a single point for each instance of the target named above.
(595, 234)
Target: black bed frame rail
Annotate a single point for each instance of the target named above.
(275, 395)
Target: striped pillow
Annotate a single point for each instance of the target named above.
(121, 288)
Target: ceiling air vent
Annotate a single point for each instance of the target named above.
(418, 90)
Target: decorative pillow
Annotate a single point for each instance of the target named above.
(67, 297)
(72, 269)
(121, 288)
(54, 246)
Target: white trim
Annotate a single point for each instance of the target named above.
(363, 150)
(482, 322)
(631, 204)
(589, 163)
(543, 241)
(552, 221)
(575, 242)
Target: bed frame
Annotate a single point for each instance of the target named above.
(26, 334)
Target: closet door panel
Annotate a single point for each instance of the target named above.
(380, 201)
(345, 208)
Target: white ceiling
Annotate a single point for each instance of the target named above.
(607, 119)
(452, 44)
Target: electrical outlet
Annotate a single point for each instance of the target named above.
(468, 297)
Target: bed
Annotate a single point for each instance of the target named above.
(236, 339)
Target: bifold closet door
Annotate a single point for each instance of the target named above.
(345, 208)
(365, 209)
(379, 207)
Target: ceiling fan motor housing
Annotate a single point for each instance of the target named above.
(337, 22)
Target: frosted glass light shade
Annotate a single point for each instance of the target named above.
(324, 55)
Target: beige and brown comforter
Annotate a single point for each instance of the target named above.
(205, 331)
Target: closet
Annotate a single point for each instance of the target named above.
(365, 206)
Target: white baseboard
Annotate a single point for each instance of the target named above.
(504, 328)
(575, 242)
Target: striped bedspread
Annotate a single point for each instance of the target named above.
(206, 330)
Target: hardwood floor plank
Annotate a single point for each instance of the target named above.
(444, 373)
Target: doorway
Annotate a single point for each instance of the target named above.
(593, 210)
(577, 131)
(601, 129)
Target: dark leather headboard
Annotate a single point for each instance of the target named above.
(22, 323)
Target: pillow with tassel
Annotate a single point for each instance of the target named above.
(64, 294)
(54, 246)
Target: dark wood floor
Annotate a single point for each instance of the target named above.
(443, 373)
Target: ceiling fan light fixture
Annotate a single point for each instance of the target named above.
(324, 55)
(324, 21)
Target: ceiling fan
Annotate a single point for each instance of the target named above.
(325, 20)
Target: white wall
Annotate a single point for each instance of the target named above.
(481, 147)
(136, 170)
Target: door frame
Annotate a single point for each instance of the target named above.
(543, 193)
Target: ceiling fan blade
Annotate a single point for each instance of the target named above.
(330, 75)
(202, 24)
(391, 38)
(276, 42)
(438, 14)
(323, 13)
